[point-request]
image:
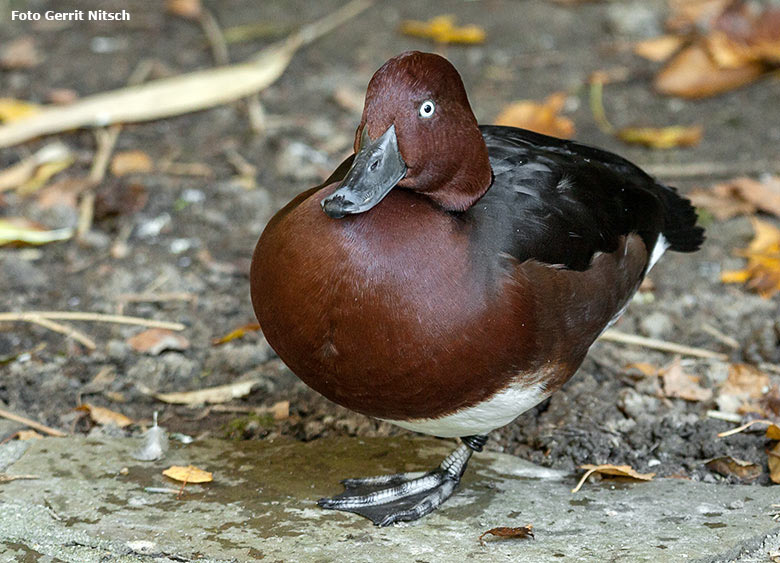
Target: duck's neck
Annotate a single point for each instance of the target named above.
(462, 186)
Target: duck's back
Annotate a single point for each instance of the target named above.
(561, 202)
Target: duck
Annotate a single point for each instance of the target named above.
(449, 276)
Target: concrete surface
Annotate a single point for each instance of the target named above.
(92, 502)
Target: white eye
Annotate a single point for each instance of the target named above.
(427, 108)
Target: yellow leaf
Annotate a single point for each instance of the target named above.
(236, 334)
(189, 474)
(18, 229)
(773, 432)
(662, 137)
(13, 110)
(442, 29)
(539, 117)
(762, 272)
(659, 49)
(28, 435)
(608, 469)
(44, 173)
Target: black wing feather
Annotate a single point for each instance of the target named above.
(560, 202)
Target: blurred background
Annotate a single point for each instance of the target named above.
(146, 204)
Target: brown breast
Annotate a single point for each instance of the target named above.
(384, 313)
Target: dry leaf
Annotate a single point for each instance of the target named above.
(728, 466)
(662, 137)
(774, 463)
(442, 29)
(18, 174)
(693, 74)
(21, 230)
(740, 196)
(745, 34)
(762, 272)
(522, 532)
(28, 435)
(220, 394)
(155, 341)
(189, 474)
(659, 49)
(191, 9)
(44, 173)
(608, 469)
(19, 53)
(743, 388)
(542, 118)
(236, 334)
(14, 110)
(131, 162)
(773, 432)
(679, 384)
(104, 416)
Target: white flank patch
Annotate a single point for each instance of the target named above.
(661, 245)
(499, 410)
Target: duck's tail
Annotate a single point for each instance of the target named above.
(680, 229)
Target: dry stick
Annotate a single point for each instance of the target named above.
(623, 338)
(178, 94)
(724, 338)
(32, 316)
(711, 169)
(5, 477)
(31, 423)
(66, 330)
(742, 428)
(156, 297)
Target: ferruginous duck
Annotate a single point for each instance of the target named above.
(449, 276)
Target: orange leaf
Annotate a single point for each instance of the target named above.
(693, 74)
(542, 118)
(728, 466)
(131, 162)
(189, 474)
(662, 137)
(774, 463)
(740, 196)
(442, 29)
(104, 416)
(155, 341)
(773, 432)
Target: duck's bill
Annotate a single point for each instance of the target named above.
(377, 168)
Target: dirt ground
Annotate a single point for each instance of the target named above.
(195, 234)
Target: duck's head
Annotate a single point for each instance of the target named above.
(417, 132)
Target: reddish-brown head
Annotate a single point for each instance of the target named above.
(422, 98)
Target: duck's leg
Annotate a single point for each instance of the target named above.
(405, 496)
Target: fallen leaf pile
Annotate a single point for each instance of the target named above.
(719, 45)
(521, 532)
(762, 271)
(743, 390)
(613, 470)
(740, 196)
(539, 117)
(442, 29)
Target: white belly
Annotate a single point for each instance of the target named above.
(501, 409)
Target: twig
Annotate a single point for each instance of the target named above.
(33, 316)
(742, 428)
(66, 330)
(156, 297)
(662, 345)
(5, 477)
(214, 36)
(32, 424)
(727, 416)
(724, 338)
(176, 95)
(710, 169)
